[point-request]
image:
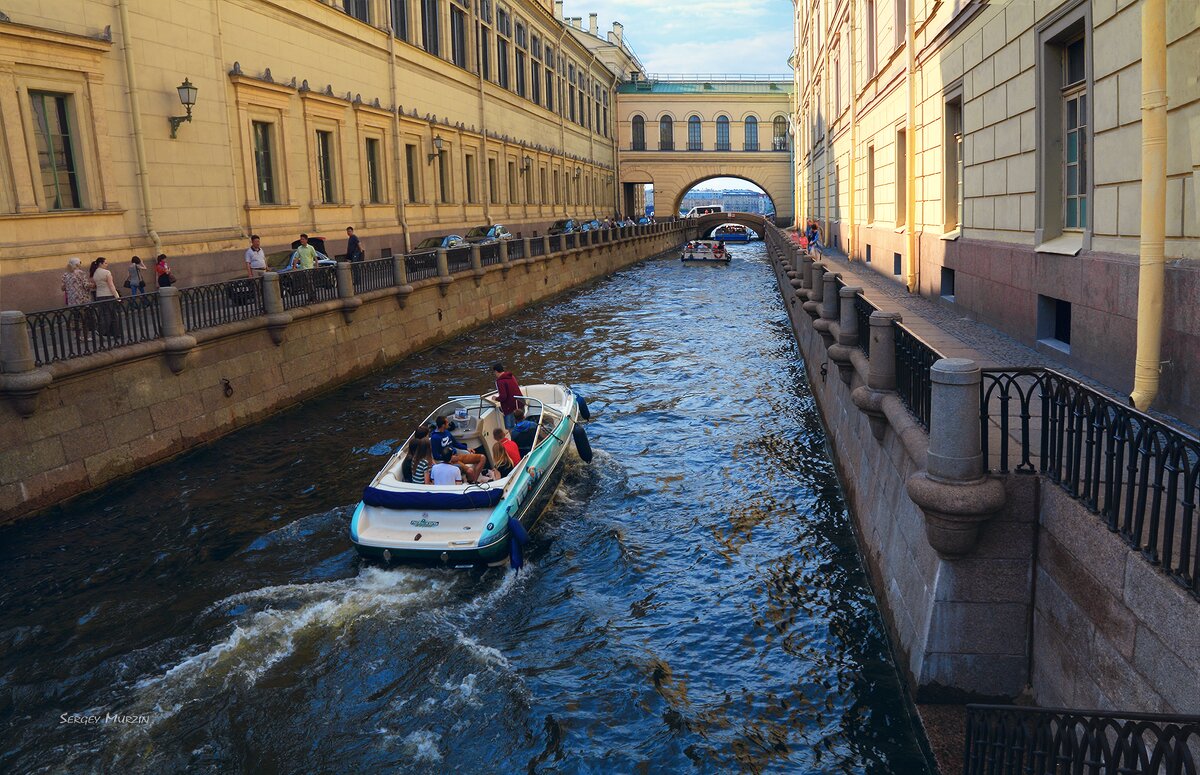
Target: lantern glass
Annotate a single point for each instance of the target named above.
(187, 93)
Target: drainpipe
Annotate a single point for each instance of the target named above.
(1154, 197)
(910, 151)
(135, 114)
(401, 210)
(851, 237)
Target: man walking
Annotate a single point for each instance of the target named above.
(256, 259)
(354, 251)
(509, 391)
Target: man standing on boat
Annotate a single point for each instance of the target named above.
(509, 391)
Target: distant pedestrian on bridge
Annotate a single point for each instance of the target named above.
(162, 271)
(75, 284)
(354, 250)
(256, 259)
(135, 282)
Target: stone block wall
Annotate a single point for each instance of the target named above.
(111, 414)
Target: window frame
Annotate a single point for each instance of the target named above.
(695, 133)
(666, 133)
(637, 133)
(69, 130)
(272, 161)
(723, 129)
(749, 129)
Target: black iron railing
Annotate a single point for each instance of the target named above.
(1140, 476)
(914, 359)
(570, 240)
(556, 243)
(62, 334)
(308, 286)
(373, 275)
(489, 254)
(862, 311)
(205, 306)
(1053, 741)
(516, 249)
(537, 247)
(458, 259)
(420, 266)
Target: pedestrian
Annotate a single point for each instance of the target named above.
(354, 250)
(507, 391)
(304, 256)
(163, 271)
(256, 260)
(135, 283)
(108, 320)
(75, 284)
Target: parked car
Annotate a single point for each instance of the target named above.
(487, 235)
(565, 226)
(431, 244)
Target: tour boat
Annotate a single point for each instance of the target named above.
(704, 252)
(470, 524)
(733, 232)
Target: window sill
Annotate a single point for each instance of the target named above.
(58, 214)
(951, 235)
(1056, 344)
(900, 229)
(1068, 244)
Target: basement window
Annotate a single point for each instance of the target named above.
(868, 253)
(1054, 323)
(897, 264)
(947, 284)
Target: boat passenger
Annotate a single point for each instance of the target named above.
(448, 450)
(523, 432)
(446, 473)
(505, 452)
(416, 465)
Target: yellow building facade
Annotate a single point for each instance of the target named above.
(402, 118)
(996, 163)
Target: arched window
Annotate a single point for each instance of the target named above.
(639, 133)
(751, 143)
(780, 141)
(694, 141)
(666, 134)
(722, 133)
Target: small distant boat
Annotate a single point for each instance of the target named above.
(704, 252)
(482, 523)
(733, 232)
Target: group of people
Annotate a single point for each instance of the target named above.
(436, 457)
(96, 283)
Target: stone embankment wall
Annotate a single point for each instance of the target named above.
(992, 587)
(110, 414)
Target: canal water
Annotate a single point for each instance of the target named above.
(693, 599)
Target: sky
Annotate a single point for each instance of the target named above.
(699, 36)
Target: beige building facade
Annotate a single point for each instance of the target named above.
(402, 118)
(997, 165)
(677, 131)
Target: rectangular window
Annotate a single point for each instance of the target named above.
(952, 161)
(605, 124)
(325, 182)
(947, 284)
(528, 173)
(502, 62)
(542, 187)
(470, 170)
(1054, 322)
(901, 178)
(897, 264)
(400, 19)
(571, 91)
(694, 143)
(430, 27)
(56, 151)
(443, 160)
(901, 23)
(374, 187)
(549, 78)
(512, 183)
(485, 52)
(1063, 104)
(458, 36)
(1075, 138)
(410, 171)
(493, 182)
(359, 9)
(722, 133)
(868, 254)
(520, 73)
(871, 43)
(870, 185)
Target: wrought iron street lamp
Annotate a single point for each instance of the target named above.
(437, 148)
(187, 96)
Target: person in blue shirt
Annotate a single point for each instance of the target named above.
(523, 431)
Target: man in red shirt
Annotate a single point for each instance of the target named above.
(509, 391)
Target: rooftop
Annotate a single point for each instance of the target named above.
(708, 83)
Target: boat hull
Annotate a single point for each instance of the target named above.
(731, 237)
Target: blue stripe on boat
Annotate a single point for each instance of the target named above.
(471, 499)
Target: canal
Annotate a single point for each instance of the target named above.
(693, 599)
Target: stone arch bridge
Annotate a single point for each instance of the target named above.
(680, 130)
(702, 227)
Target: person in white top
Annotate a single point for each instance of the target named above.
(107, 321)
(445, 473)
(256, 260)
(105, 287)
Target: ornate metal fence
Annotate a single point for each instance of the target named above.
(373, 275)
(516, 249)
(862, 311)
(489, 254)
(914, 358)
(458, 259)
(62, 334)
(1053, 741)
(571, 240)
(308, 286)
(1139, 475)
(556, 243)
(537, 247)
(421, 266)
(205, 306)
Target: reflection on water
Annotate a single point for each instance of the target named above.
(693, 599)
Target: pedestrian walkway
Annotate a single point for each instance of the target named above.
(954, 335)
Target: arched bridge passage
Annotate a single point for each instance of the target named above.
(705, 224)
